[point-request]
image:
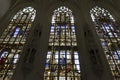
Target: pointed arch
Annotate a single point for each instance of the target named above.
(13, 39)
(109, 34)
(62, 61)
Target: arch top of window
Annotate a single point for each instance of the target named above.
(100, 13)
(62, 14)
(27, 11)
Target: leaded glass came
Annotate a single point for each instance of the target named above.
(109, 34)
(13, 39)
(62, 61)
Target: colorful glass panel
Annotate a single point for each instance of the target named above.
(62, 58)
(13, 39)
(109, 34)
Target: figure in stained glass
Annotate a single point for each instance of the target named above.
(47, 64)
(63, 62)
(62, 40)
(108, 32)
(69, 67)
(13, 39)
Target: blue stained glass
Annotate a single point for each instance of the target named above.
(47, 64)
(63, 61)
(13, 40)
(104, 43)
(5, 53)
(62, 27)
(58, 32)
(108, 32)
(52, 30)
(52, 27)
(16, 32)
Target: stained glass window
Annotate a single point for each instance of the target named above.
(109, 34)
(13, 39)
(62, 57)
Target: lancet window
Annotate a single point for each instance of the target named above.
(109, 34)
(13, 39)
(62, 61)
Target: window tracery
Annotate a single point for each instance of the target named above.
(62, 58)
(109, 34)
(13, 39)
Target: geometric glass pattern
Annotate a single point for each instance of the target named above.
(62, 62)
(13, 39)
(109, 34)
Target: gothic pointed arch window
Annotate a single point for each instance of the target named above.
(109, 34)
(13, 39)
(62, 61)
